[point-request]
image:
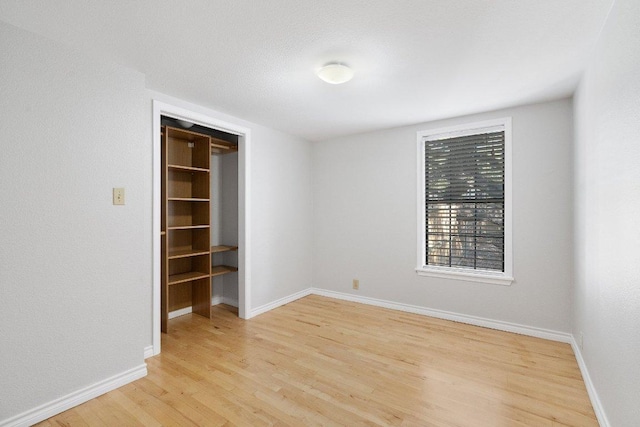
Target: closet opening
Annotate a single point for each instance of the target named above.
(200, 211)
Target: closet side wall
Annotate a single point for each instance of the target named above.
(229, 221)
(216, 221)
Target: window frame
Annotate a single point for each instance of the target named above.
(465, 274)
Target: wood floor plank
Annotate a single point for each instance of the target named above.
(324, 362)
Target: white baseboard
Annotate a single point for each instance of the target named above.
(181, 312)
(57, 406)
(148, 351)
(593, 395)
(229, 301)
(277, 303)
(214, 301)
(224, 300)
(448, 315)
(440, 314)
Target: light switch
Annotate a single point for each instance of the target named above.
(118, 196)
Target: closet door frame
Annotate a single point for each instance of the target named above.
(244, 206)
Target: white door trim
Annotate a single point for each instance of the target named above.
(244, 206)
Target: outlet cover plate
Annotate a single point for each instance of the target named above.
(118, 196)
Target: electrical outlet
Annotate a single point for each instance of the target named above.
(356, 284)
(118, 196)
(581, 340)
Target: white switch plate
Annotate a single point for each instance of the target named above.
(118, 196)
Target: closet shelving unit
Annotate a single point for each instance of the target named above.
(186, 221)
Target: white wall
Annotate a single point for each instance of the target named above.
(215, 192)
(229, 219)
(75, 271)
(281, 202)
(607, 208)
(365, 221)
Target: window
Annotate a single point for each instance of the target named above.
(464, 219)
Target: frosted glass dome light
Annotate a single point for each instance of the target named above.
(335, 73)
(185, 124)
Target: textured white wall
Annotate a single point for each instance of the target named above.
(215, 192)
(365, 221)
(607, 208)
(216, 217)
(282, 214)
(75, 271)
(229, 220)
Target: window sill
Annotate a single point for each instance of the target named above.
(460, 274)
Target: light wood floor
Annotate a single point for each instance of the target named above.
(320, 361)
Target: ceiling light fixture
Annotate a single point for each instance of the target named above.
(185, 124)
(335, 73)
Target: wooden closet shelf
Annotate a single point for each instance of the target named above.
(186, 168)
(184, 253)
(222, 248)
(186, 199)
(187, 227)
(218, 270)
(187, 277)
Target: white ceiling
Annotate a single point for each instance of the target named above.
(415, 60)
